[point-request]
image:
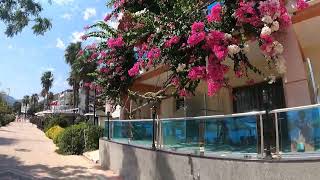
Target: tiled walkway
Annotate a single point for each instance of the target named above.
(26, 153)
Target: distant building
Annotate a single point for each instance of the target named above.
(62, 100)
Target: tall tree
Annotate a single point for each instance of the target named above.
(25, 102)
(46, 81)
(34, 100)
(17, 14)
(71, 54)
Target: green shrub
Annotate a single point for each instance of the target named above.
(54, 132)
(92, 136)
(6, 119)
(72, 140)
(51, 121)
(79, 138)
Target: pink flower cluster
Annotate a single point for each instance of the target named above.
(215, 15)
(269, 8)
(172, 41)
(197, 72)
(184, 93)
(215, 75)
(154, 53)
(247, 14)
(115, 42)
(266, 46)
(197, 33)
(218, 44)
(135, 69)
(118, 3)
(107, 17)
(302, 4)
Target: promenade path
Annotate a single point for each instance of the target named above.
(26, 153)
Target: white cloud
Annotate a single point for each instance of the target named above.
(66, 16)
(60, 44)
(76, 37)
(63, 2)
(88, 13)
(10, 46)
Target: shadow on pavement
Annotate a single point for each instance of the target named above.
(11, 166)
(7, 141)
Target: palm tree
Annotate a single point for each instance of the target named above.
(25, 101)
(74, 78)
(34, 99)
(46, 81)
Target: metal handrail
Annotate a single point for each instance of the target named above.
(213, 117)
(295, 108)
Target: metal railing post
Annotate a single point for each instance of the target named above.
(277, 133)
(108, 118)
(154, 112)
(261, 136)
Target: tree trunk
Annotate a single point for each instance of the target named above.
(87, 100)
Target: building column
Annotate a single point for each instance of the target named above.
(295, 80)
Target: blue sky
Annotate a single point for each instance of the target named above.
(26, 56)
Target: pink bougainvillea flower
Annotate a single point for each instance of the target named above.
(247, 14)
(80, 53)
(175, 81)
(103, 54)
(220, 51)
(266, 45)
(154, 53)
(172, 41)
(184, 93)
(115, 42)
(101, 61)
(87, 84)
(86, 27)
(215, 15)
(284, 20)
(196, 38)
(118, 3)
(94, 55)
(84, 37)
(213, 87)
(107, 17)
(302, 4)
(135, 69)
(198, 72)
(197, 27)
(269, 7)
(104, 70)
(239, 74)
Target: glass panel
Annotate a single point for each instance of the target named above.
(136, 132)
(180, 134)
(234, 134)
(300, 130)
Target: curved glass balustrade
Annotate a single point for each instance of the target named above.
(292, 131)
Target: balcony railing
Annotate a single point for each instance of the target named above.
(293, 131)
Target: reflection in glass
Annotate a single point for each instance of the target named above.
(300, 130)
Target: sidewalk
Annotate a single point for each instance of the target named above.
(26, 153)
